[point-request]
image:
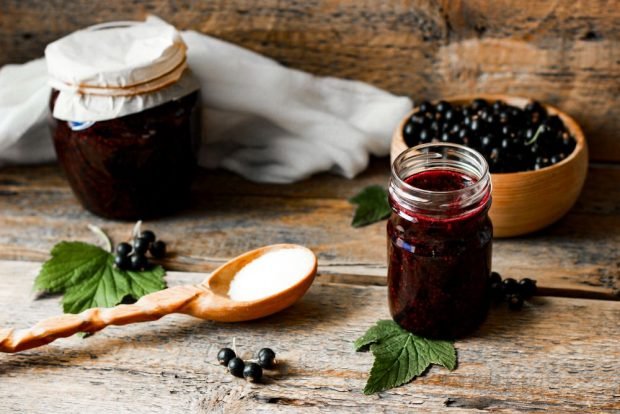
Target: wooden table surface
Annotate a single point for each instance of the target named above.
(561, 353)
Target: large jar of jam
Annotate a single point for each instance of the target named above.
(439, 240)
(125, 117)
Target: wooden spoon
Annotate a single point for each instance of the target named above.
(207, 300)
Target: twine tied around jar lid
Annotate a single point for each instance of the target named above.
(117, 59)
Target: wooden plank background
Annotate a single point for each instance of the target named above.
(566, 53)
(229, 215)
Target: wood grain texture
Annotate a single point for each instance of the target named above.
(556, 355)
(565, 53)
(577, 256)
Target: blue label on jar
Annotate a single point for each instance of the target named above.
(79, 126)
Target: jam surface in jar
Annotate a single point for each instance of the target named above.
(134, 167)
(439, 263)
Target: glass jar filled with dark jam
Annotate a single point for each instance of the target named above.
(439, 240)
(125, 117)
(134, 167)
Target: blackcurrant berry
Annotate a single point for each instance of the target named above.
(122, 262)
(443, 106)
(141, 245)
(266, 358)
(485, 142)
(426, 107)
(128, 300)
(408, 129)
(510, 286)
(417, 119)
(123, 249)
(504, 117)
(158, 249)
(425, 136)
(148, 235)
(495, 278)
(451, 115)
(475, 125)
(236, 366)
(527, 287)
(478, 104)
(498, 106)
(515, 301)
(252, 372)
(138, 262)
(225, 355)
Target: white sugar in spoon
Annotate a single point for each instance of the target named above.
(212, 299)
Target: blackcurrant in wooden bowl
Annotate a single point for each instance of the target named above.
(537, 154)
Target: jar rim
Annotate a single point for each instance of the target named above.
(440, 156)
(417, 148)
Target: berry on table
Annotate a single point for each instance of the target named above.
(141, 245)
(138, 261)
(148, 235)
(527, 287)
(123, 249)
(515, 301)
(510, 286)
(158, 249)
(236, 366)
(225, 355)
(495, 278)
(122, 262)
(252, 372)
(266, 358)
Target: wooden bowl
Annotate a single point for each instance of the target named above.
(524, 202)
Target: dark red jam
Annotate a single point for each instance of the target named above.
(134, 167)
(439, 264)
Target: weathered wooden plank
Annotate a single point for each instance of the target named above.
(539, 359)
(577, 256)
(564, 53)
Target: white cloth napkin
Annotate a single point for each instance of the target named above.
(262, 120)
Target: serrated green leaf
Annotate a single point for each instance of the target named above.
(383, 329)
(87, 276)
(372, 206)
(400, 356)
(439, 352)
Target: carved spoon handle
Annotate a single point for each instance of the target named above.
(148, 308)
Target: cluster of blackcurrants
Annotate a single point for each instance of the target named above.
(510, 138)
(251, 371)
(134, 258)
(512, 291)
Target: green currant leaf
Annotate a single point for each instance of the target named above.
(372, 206)
(382, 330)
(87, 276)
(400, 356)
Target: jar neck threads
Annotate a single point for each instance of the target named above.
(439, 157)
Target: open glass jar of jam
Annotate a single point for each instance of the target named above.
(439, 240)
(125, 117)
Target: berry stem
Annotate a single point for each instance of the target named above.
(104, 237)
(536, 134)
(136, 229)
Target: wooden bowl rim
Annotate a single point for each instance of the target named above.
(570, 123)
